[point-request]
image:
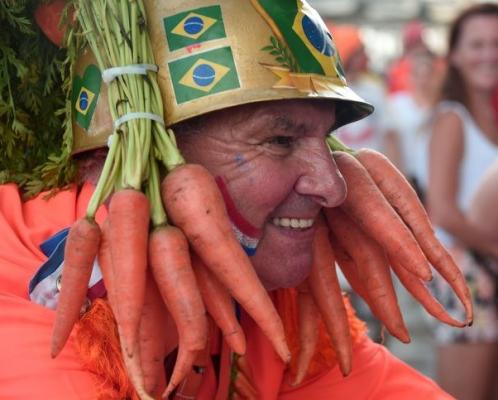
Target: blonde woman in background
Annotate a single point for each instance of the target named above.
(463, 146)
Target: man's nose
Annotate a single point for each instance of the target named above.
(320, 178)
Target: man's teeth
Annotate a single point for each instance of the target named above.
(293, 223)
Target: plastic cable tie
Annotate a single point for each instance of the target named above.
(109, 74)
(110, 139)
(137, 115)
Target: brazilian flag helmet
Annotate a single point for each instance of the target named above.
(215, 54)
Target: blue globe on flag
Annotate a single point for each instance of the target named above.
(193, 25)
(204, 75)
(83, 101)
(317, 36)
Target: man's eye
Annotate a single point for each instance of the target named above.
(283, 141)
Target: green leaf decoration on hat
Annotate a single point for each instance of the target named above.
(282, 54)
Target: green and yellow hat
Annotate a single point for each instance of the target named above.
(215, 54)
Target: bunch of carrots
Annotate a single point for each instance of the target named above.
(167, 247)
(159, 208)
(381, 226)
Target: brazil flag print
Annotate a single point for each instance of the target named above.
(194, 26)
(305, 33)
(85, 94)
(203, 74)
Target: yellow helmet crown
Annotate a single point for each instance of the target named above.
(217, 54)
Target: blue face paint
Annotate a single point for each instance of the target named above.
(240, 160)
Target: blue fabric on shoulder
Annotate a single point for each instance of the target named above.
(49, 245)
(53, 248)
(45, 285)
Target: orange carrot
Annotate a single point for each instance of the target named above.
(170, 264)
(327, 294)
(349, 269)
(81, 249)
(131, 362)
(194, 202)
(219, 305)
(308, 318)
(104, 258)
(373, 270)
(371, 211)
(153, 332)
(134, 368)
(129, 228)
(190, 386)
(405, 201)
(418, 290)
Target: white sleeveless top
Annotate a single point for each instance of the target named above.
(479, 154)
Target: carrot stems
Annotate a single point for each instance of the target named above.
(108, 171)
(336, 145)
(167, 151)
(157, 213)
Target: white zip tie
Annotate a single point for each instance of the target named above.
(137, 115)
(110, 139)
(109, 74)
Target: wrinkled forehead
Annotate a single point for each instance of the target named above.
(284, 114)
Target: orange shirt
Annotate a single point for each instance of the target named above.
(376, 375)
(27, 371)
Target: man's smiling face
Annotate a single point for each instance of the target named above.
(278, 174)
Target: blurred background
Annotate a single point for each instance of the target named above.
(381, 23)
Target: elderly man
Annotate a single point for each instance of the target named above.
(252, 89)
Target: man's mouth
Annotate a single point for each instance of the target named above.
(293, 223)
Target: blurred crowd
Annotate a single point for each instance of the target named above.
(436, 119)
